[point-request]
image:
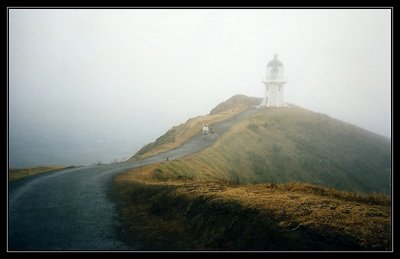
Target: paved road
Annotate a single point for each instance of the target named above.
(70, 209)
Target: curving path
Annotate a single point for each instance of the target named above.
(70, 209)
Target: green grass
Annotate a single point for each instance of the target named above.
(289, 145)
(17, 174)
(282, 179)
(178, 135)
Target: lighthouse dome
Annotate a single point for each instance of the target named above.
(275, 62)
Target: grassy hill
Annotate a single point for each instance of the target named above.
(286, 145)
(280, 179)
(177, 135)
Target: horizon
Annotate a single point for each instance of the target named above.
(90, 85)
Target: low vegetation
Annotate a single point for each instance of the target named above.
(288, 145)
(17, 174)
(180, 134)
(195, 215)
(281, 179)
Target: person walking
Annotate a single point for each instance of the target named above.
(205, 130)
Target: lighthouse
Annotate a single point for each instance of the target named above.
(274, 85)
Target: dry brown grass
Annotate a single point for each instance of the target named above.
(272, 146)
(17, 174)
(331, 214)
(302, 206)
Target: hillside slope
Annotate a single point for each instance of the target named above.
(284, 145)
(267, 182)
(178, 135)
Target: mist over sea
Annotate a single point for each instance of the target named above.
(89, 86)
(30, 149)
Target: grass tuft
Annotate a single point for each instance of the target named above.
(17, 174)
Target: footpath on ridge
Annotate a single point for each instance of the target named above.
(70, 209)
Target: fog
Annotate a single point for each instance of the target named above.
(96, 85)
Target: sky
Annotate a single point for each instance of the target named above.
(91, 85)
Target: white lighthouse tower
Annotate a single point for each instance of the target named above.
(274, 85)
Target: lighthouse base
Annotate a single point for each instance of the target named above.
(273, 95)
